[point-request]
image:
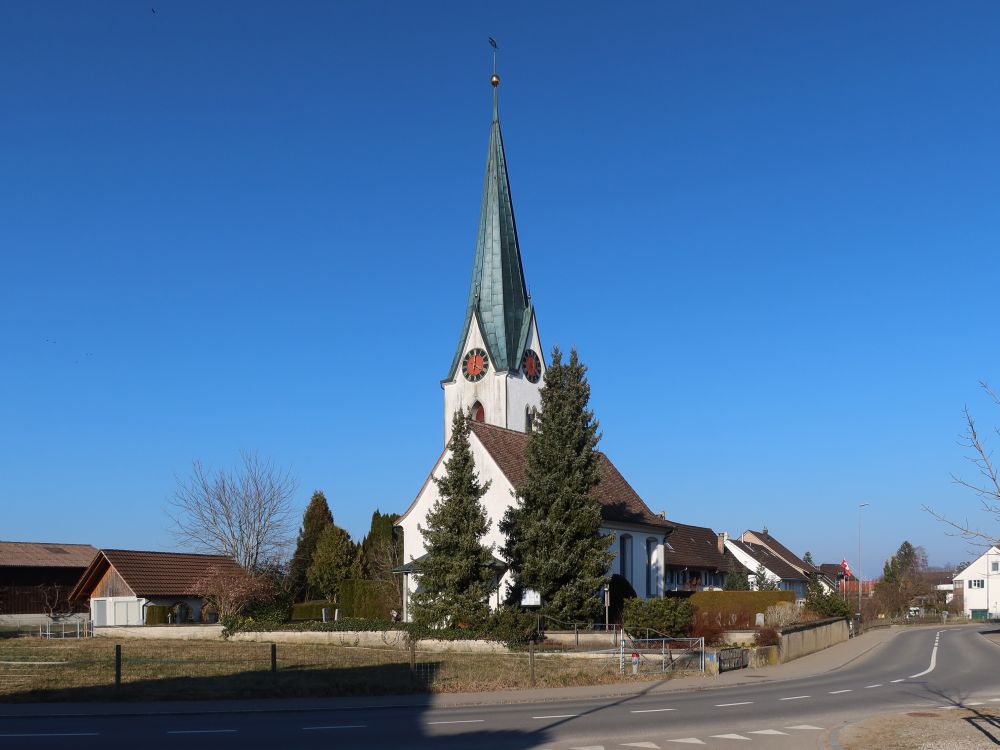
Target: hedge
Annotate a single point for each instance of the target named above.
(312, 610)
(727, 604)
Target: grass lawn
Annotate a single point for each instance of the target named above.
(33, 669)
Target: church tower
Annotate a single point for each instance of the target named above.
(497, 370)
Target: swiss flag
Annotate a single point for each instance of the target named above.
(846, 567)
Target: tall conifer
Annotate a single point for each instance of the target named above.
(553, 542)
(455, 577)
(315, 520)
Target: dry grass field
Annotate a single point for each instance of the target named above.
(33, 669)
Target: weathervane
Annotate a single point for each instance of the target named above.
(495, 79)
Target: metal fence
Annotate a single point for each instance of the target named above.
(733, 658)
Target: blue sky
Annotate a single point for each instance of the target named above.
(769, 228)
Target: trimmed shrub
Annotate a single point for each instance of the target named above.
(706, 625)
(312, 610)
(156, 614)
(780, 615)
(725, 604)
(767, 637)
(669, 617)
(359, 597)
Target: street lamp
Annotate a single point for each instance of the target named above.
(861, 578)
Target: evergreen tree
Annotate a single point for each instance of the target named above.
(315, 520)
(737, 579)
(552, 534)
(762, 581)
(331, 562)
(808, 558)
(456, 575)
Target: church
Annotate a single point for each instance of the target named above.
(495, 375)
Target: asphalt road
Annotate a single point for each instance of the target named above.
(918, 669)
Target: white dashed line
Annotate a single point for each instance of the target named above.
(795, 698)
(838, 692)
(768, 731)
(54, 734)
(933, 658)
(871, 686)
(202, 731)
(903, 679)
(459, 721)
(730, 737)
(805, 726)
(651, 745)
(651, 710)
(741, 703)
(689, 741)
(339, 726)
(973, 703)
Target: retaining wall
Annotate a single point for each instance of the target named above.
(809, 637)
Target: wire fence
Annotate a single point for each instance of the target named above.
(97, 668)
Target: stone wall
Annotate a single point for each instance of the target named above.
(807, 638)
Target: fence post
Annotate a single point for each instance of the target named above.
(576, 633)
(118, 665)
(413, 654)
(274, 658)
(531, 661)
(621, 657)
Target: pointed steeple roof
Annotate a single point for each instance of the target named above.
(498, 293)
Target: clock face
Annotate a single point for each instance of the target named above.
(475, 364)
(531, 366)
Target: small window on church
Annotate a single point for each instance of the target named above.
(529, 419)
(625, 556)
(478, 413)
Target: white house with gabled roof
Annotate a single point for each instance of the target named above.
(979, 584)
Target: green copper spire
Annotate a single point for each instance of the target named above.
(498, 293)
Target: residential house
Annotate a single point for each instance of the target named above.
(36, 578)
(695, 558)
(977, 586)
(808, 570)
(753, 555)
(120, 584)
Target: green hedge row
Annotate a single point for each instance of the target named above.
(727, 603)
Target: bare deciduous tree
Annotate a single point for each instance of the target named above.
(54, 600)
(243, 514)
(987, 486)
(229, 592)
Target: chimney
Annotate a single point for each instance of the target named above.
(722, 536)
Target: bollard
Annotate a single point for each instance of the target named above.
(635, 662)
(118, 665)
(274, 658)
(531, 661)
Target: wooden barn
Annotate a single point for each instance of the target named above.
(37, 577)
(121, 585)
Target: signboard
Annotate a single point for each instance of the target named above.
(531, 598)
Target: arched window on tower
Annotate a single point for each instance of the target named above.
(478, 413)
(625, 556)
(529, 418)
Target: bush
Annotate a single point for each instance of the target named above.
(274, 610)
(312, 610)
(156, 614)
(667, 616)
(706, 625)
(780, 615)
(359, 597)
(767, 637)
(828, 605)
(727, 603)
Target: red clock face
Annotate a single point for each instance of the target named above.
(475, 364)
(531, 366)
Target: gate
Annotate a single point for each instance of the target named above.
(733, 658)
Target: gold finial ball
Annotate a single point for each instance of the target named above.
(495, 80)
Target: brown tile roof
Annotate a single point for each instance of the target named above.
(783, 552)
(771, 561)
(619, 502)
(696, 547)
(45, 555)
(152, 573)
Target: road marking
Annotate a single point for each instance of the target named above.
(459, 721)
(202, 731)
(871, 686)
(973, 703)
(641, 744)
(54, 734)
(556, 716)
(651, 710)
(588, 747)
(805, 726)
(340, 726)
(994, 700)
(741, 703)
(731, 737)
(838, 692)
(689, 741)
(795, 698)
(933, 658)
(768, 731)
(902, 679)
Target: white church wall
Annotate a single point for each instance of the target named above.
(521, 392)
(491, 391)
(633, 567)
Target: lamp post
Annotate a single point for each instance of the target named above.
(861, 578)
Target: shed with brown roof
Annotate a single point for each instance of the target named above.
(36, 577)
(120, 584)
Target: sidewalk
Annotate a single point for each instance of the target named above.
(820, 662)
